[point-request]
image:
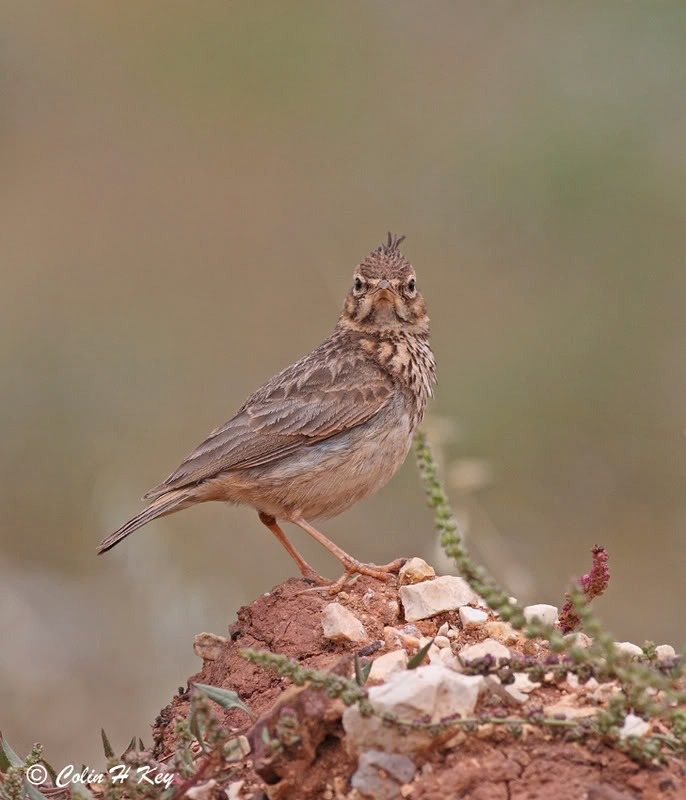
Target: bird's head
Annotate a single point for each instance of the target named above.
(384, 294)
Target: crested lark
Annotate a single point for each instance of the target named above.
(329, 430)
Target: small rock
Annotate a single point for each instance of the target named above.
(503, 631)
(579, 638)
(384, 666)
(416, 570)
(234, 790)
(429, 598)
(208, 645)
(633, 726)
(472, 617)
(665, 651)
(453, 634)
(339, 624)
(603, 692)
(442, 641)
(443, 630)
(443, 656)
(520, 688)
(379, 774)
(391, 638)
(565, 707)
(545, 613)
(203, 792)
(428, 692)
(406, 790)
(489, 647)
(243, 745)
(629, 648)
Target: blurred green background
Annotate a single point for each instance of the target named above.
(186, 188)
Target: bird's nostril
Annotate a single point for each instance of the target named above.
(384, 284)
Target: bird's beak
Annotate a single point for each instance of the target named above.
(384, 292)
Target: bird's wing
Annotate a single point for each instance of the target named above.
(311, 401)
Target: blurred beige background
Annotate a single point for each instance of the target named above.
(186, 188)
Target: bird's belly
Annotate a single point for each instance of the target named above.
(325, 479)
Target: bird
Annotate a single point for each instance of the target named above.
(326, 432)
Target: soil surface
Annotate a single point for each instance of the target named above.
(487, 764)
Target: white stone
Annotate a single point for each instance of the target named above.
(472, 617)
(569, 710)
(665, 651)
(429, 598)
(203, 792)
(235, 790)
(633, 726)
(443, 630)
(489, 647)
(503, 631)
(384, 666)
(442, 641)
(340, 624)
(416, 570)
(545, 613)
(579, 638)
(208, 645)
(433, 691)
(629, 648)
(521, 687)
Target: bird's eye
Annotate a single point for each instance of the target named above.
(411, 285)
(358, 284)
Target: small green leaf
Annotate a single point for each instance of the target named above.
(194, 725)
(419, 656)
(224, 697)
(106, 746)
(362, 672)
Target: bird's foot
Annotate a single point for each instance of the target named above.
(381, 572)
(312, 576)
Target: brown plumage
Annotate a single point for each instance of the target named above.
(329, 430)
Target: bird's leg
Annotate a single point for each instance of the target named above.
(307, 571)
(350, 564)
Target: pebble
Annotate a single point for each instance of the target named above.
(234, 790)
(633, 726)
(443, 630)
(665, 651)
(203, 792)
(489, 647)
(570, 711)
(442, 641)
(339, 624)
(472, 617)
(430, 692)
(629, 648)
(579, 638)
(545, 613)
(416, 570)
(384, 666)
(379, 774)
(503, 631)
(424, 600)
(520, 688)
(208, 645)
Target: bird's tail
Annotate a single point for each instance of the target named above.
(166, 504)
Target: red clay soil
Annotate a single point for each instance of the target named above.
(486, 765)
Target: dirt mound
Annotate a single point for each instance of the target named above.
(487, 763)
